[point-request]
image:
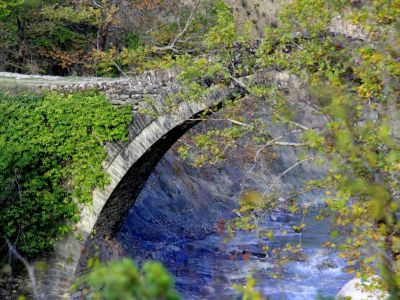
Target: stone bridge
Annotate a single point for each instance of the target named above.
(129, 163)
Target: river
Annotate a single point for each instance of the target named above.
(174, 221)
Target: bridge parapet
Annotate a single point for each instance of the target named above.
(119, 91)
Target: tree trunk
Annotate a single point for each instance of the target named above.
(21, 44)
(102, 33)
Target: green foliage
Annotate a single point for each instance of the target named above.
(352, 82)
(202, 31)
(310, 17)
(74, 15)
(7, 7)
(355, 86)
(250, 201)
(122, 280)
(51, 149)
(42, 35)
(248, 290)
(133, 41)
(75, 37)
(223, 33)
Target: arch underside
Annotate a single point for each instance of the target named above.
(134, 163)
(130, 185)
(127, 191)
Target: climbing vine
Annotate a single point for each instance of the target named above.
(51, 149)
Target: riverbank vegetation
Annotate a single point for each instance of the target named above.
(345, 54)
(117, 280)
(103, 38)
(353, 82)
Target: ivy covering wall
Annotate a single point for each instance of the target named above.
(51, 149)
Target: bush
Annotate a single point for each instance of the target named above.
(122, 280)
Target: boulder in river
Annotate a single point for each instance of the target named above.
(327, 264)
(355, 289)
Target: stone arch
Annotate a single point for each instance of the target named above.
(128, 170)
(129, 164)
(132, 165)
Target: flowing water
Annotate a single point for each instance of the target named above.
(174, 221)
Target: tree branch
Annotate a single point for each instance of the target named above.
(274, 141)
(287, 171)
(229, 120)
(29, 268)
(119, 69)
(171, 45)
(244, 86)
(97, 4)
(289, 144)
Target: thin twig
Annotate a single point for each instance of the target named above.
(29, 268)
(244, 86)
(171, 45)
(287, 171)
(119, 69)
(96, 4)
(294, 123)
(227, 119)
(270, 143)
(289, 144)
